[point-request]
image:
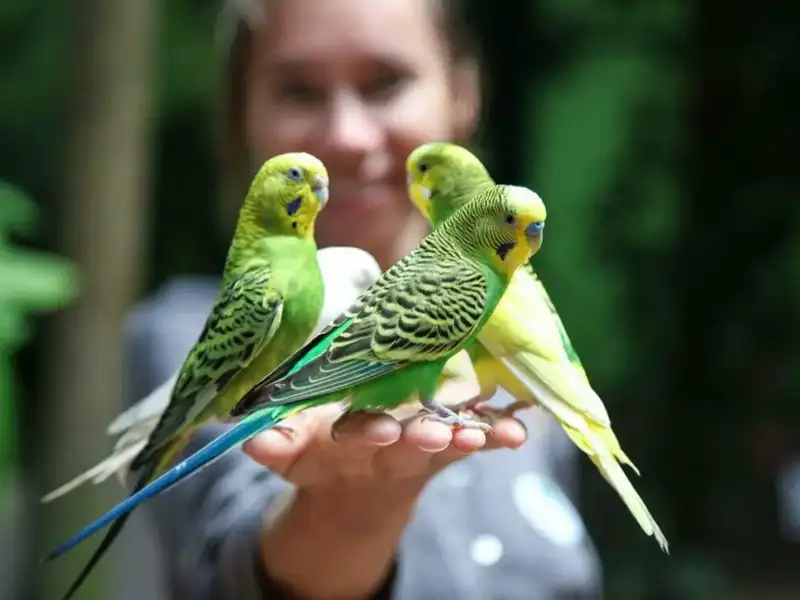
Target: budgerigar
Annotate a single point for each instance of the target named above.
(346, 272)
(524, 347)
(391, 346)
(270, 300)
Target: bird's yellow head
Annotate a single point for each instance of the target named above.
(441, 177)
(287, 194)
(506, 222)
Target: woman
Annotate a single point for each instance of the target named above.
(358, 83)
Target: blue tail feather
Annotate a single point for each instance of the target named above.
(203, 457)
(105, 544)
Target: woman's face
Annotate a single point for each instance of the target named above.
(359, 84)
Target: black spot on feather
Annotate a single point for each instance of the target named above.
(293, 206)
(225, 378)
(503, 249)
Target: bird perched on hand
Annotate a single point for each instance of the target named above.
(346, 272)
(270, 300)
(524, 346)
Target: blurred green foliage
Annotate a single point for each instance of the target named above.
(30, 282)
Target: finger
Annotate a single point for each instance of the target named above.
(507, 433)
(426, 434)
(365, 429)
(348, 442)
(422, 438)
(278, 451)
(465, 442)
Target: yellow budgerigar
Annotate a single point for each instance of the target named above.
(524, 347)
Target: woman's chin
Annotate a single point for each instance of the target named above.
(365, 200)
(370, 218)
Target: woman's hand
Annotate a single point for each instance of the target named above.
(329, 449)
(357, 478)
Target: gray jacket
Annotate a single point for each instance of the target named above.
(498, 525)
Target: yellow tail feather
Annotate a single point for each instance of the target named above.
(596, 439)
(605, 459)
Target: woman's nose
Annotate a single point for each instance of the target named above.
(350, 128)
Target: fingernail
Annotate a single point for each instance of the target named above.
(346, 423)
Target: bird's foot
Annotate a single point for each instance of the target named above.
(490, 414)
(441, 413)
(470, 405)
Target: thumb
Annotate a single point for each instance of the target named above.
(279, 447)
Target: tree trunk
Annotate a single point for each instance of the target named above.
(106, 185)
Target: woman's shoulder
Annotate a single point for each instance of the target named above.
(180, 298)
(179, 295)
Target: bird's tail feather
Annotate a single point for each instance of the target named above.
(148, 408)
(607, 464)
(559, 379)
(116, 463)
(135, 424)
(212, 451)
(596, 440)
(105, 544)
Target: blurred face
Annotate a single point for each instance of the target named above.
(359, 84)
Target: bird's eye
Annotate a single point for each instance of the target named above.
(295, 174)
(423, 167)
(509, 219)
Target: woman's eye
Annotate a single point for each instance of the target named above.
(383, 86)
(301, 93)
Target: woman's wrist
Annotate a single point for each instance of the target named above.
(326, 544)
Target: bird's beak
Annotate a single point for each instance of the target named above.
(534, 230)
(421, 196)
(319, 185)
(417, 187)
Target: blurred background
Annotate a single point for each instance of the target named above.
(664, 137)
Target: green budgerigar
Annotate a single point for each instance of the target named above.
(270, 300)
(524, 347)
(346, 272)
(391, 346)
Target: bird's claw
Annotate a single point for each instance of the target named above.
(477, 407)
(506, 412)
(460, 422)
(443, 414)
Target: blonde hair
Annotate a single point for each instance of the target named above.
(237, 21)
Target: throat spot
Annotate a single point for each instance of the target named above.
(293, 206)
(503, 249)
